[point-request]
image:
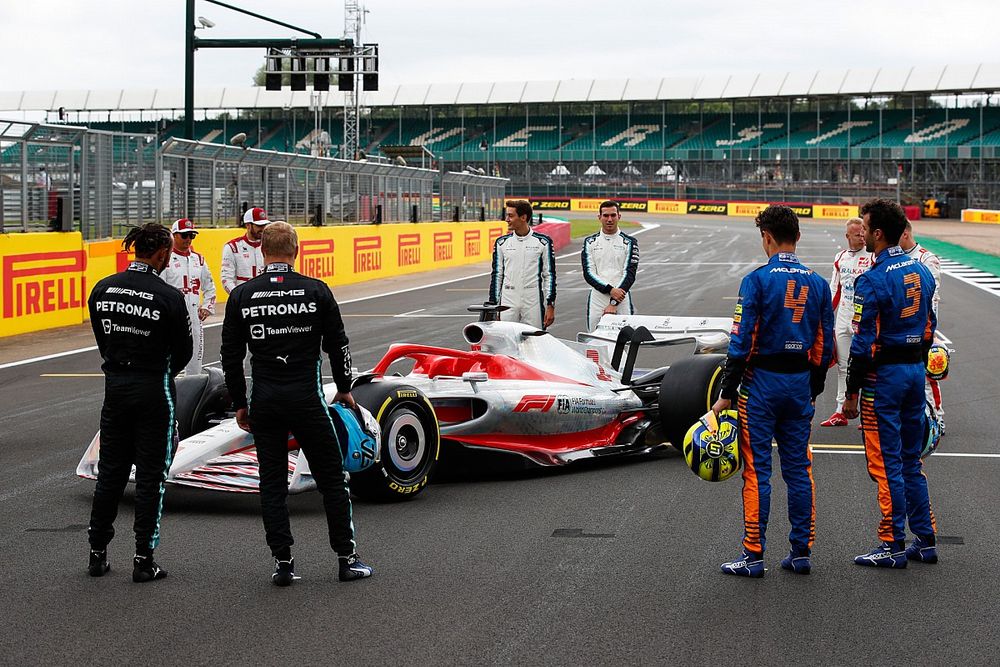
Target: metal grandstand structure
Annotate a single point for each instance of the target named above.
(822, 135)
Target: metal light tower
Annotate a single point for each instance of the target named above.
(354, 18)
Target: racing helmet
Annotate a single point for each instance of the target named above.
(932, 431)
(359, 436)
(937, 362)
(711, 448)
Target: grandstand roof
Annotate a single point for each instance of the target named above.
(938, 79)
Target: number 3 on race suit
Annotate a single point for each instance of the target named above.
(912, 282)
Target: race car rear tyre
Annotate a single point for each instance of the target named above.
(410, 446)
(687, 391)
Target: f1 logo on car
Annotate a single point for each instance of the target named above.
(533, 403)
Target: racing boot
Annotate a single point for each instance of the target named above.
(922, 550)
(284, 572)
(836, 419)
(351, 568)
(98, 563)
(887, 554)
(797, 561)
(749, 564)
(144, 569)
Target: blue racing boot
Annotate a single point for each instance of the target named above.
(352, 569)
(887, 554)
(923, 550)
(797, 561)
(750, 564)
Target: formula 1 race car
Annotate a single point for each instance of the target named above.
(518, 391)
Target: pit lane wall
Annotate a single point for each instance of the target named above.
(700, 207)
(45, 278)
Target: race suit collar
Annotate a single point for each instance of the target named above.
(142, 267)
(254, 244)
(183, 253)
(891, 251)
(789, 257)
(914, 250)
(277, 267)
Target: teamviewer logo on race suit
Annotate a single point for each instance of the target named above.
(106, 324)
(257, 332)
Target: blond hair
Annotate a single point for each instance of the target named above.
(853, 221)
(279, 240)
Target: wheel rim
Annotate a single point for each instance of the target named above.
(406, 441)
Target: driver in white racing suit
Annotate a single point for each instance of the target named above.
(524, 271)
(189, 273)
(932, 388)
(241, 258)
(847, 265)
(610, 261)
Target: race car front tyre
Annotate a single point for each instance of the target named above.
(410, 443)
(687, 391)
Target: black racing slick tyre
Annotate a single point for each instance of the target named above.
(411, 442)
(687, 391)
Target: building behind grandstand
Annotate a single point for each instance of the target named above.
(825, 136)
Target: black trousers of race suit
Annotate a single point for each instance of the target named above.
(300, 409)
(137, 427)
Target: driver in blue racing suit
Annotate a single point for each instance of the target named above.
(781, 345)
(894, 323)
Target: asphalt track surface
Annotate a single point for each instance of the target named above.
(604, 563)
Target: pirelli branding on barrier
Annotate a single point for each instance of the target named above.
(444, 250)
(367, 254)
(316, 258)
(981, 216)
(708, 208)
(634, 206)
(409, 250)
(834, 212)
(745, 209)
(473, 242)
(666, 206)
(551, 204)
(43, 278)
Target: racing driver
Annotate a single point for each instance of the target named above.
(142, 330)
(241, 257)
(524, 271)
(188, 272)
(847, 265)
(288, 320)
(610, 261)
(894, 325)
(780, 350)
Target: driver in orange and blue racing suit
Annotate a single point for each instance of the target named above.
(781, 345)
(894, 323)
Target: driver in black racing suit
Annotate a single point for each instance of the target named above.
(286, 318)
(144, 335)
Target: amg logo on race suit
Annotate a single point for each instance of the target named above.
(148, 296)
(534, 403)
(264, 295)
(127, 309)
(280, 309)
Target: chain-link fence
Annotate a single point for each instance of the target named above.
(213, 184)
(57, 177)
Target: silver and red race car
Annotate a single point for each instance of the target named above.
(518, 391)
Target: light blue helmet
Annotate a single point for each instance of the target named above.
(359, 435)
(932, 431)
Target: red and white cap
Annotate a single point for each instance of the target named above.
(183, 225)
(257, 216)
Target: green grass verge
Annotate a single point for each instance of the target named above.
(956, 253)
(580, 227)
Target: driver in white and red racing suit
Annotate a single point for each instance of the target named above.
(189, 273)
(847, 265)
(241, 258)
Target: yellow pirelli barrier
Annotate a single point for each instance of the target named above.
(585, 204)
(834, 212)
(745, 209)
(43, 278)
(981, 216)
(668, 206)
(47, 277)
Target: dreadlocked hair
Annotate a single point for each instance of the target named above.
(147, 239)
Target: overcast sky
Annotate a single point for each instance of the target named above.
(74, 44)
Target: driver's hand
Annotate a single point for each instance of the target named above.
(617, 293)
(203, 314)
(550, 316)
(243, 419)
(610, 310)
(345, 398)
(721, 404)
(850, 409)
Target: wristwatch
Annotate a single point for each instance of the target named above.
(614, 301)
